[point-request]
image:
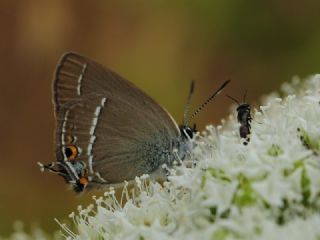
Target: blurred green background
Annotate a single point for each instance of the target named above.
(160, 46)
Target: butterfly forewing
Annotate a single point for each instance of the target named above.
(120, 131)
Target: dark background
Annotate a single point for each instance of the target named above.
(160, 46)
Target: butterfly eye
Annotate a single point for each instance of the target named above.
(71, 152)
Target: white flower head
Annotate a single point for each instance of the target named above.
(267, 189)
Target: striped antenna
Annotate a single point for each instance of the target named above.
(187, 106)
(208, 100)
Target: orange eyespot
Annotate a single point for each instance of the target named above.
(71, 152)
(83, 181)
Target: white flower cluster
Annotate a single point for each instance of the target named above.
(268, 189)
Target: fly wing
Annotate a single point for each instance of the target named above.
(120, 131)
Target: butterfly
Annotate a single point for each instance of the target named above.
(108, 130)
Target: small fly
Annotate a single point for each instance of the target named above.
(244, 118)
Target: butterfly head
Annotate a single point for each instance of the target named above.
(187, 132)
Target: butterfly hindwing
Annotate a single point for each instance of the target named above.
(119, 130)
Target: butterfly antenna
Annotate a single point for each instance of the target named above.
(233, 99)
(245, 95)
(208, 100)
(187, 106)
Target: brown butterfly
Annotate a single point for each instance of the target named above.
(108, 130)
